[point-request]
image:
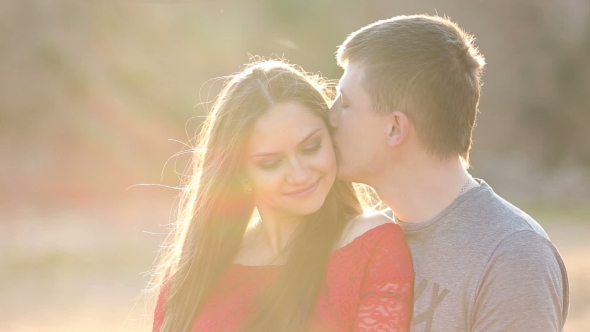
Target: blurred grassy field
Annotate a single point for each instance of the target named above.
(70, 272)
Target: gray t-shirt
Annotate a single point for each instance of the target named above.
(484, 265)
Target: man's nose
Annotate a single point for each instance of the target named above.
(333, 116)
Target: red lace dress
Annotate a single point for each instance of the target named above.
(369, 285)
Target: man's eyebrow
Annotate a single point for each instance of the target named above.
(305, 139)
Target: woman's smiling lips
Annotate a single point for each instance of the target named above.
(303, 191)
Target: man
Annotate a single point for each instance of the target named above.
(403, 122)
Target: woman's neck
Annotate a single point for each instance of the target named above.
(266, 240)
(277, 229)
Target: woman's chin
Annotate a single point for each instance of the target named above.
(307, 208)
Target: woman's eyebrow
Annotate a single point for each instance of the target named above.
(310, 135)
(305, 139)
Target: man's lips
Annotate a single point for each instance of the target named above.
(303, 191)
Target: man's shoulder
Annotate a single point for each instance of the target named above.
(489, 212)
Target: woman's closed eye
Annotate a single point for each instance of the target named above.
(312, 148)
(269, 165)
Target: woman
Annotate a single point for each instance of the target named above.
(309, 259)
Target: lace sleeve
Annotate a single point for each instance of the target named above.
(388, 284)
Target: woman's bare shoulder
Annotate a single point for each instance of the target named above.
(361, 224)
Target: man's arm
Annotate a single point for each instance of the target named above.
(524, 288)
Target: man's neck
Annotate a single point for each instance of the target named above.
(421, 191)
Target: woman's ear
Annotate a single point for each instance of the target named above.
(398, 127)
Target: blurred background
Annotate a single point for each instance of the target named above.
(97, 97)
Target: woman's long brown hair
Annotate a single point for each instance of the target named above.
(215, 211)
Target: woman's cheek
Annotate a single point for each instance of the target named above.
(268, 181)
(329, 160)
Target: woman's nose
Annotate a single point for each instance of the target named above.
(298, 172)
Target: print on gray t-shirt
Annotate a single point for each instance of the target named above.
(484, 265)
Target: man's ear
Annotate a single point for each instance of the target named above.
(398, 127)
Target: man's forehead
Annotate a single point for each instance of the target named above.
(353, 73)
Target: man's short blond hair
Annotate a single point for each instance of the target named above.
(427, 67)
